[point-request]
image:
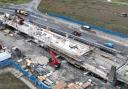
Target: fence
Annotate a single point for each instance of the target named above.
(29, 76)
(5, 63)
(122, 35)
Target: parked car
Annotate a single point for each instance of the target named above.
(76, 33)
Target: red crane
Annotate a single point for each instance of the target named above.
(54, 61)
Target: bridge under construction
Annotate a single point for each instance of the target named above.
(103, 61)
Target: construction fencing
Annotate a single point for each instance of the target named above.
(92, 26)
(5, 63)
(30, 77)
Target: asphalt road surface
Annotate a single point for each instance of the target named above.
(48, 21)
(52, 24)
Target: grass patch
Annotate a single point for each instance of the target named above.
(94, 12)
(126, 1)
(8, 81)
(13, 1)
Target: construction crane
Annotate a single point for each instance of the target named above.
(54, 61)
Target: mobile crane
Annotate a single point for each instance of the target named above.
(54, 61)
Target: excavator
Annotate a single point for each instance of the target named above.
(54, 61)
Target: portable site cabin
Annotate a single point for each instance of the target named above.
(4, 56)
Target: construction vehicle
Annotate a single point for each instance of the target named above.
(109, 44)
(54, 61)
(22, 12)
(76, 33)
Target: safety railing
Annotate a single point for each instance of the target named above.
(30, 77)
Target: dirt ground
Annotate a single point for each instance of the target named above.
(8, 81)
(91, 11)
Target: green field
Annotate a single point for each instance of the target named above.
(93, 12)
(120, 1)
(8, 81)
(13, 1)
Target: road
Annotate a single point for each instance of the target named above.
(59, 25)
(50, 23)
